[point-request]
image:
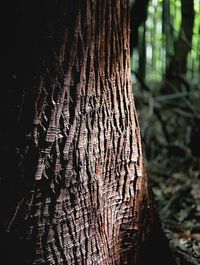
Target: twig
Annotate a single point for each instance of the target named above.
(175, 95)
(142, 82)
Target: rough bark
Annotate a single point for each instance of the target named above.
(76, 187)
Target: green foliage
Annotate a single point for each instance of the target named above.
(161, 32)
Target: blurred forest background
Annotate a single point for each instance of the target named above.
(165, 61)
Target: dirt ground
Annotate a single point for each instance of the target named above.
(170, 127)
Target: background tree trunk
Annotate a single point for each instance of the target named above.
(76, 187)
(138, 16)
(178, 62)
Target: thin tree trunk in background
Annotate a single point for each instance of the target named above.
(142, 51)
(178, 63)
(138, 15)
(198, 45)
(167, 30)
(76, 190)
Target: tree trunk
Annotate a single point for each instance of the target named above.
(178, 63)
(138, 17)
(167, 30)
(76, 190)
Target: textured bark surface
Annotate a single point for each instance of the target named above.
(76, 188)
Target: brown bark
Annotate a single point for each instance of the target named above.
(76, 183)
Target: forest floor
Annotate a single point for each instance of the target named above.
(170, 127)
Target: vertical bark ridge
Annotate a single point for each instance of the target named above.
(86, 201)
